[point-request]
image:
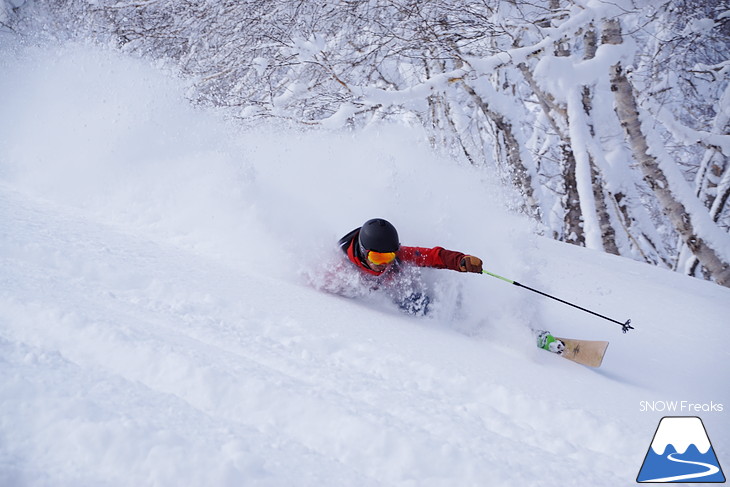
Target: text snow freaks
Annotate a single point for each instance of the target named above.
(680, 407)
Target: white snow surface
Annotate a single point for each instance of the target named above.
(162, 320)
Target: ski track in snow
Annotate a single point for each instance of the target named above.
(153, 332)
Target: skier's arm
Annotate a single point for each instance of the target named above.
(440, 258)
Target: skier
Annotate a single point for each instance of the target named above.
(384, 263)
(376, 251)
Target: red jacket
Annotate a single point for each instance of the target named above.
(437, 257)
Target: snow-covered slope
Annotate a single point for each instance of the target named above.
(160, 322)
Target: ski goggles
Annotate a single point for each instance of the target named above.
(381, 258)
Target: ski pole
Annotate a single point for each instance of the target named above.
(624, 326)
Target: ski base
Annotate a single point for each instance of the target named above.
(584, 352)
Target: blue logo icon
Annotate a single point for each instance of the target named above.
(681, 452)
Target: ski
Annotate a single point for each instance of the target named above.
(584, 352)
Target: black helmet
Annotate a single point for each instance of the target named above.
(379, 235)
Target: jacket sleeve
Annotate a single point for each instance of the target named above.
(437, 257)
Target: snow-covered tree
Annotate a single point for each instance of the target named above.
(608, 120)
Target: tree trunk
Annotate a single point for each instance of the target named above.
(573, 217)
(521, 178)
(608, 233)
(628, 112)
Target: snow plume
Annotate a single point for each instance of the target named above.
(110, 135)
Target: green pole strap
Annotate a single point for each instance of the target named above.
(624, 326)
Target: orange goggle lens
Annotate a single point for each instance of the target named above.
(381, 258)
